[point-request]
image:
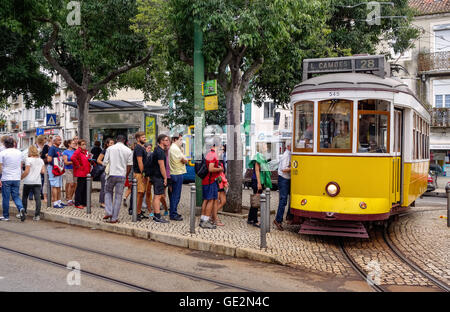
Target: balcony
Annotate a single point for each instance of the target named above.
(438, 62)
(15, 125)
(440, 117)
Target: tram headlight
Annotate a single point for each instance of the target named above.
(304, 202)
(332, 189)
(362, 205)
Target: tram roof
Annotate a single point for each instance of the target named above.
(352, 81)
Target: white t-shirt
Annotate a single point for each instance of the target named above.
(119, 157)
(11, 160)
(34, 176)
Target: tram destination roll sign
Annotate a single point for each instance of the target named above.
(344, 64)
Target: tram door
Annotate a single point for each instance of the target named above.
(397, 165)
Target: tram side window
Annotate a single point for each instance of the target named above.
(373, 127)
(335, 126)
(304, 126)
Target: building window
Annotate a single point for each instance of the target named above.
(269, 107)
(438, 101)
(447, 100)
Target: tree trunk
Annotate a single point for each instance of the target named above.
(83, 117)
(234, 152)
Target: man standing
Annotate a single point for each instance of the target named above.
(55, 157)
(120, 159)
(284, 185)
(159, 176)
(210, 188)
(177, 163)
(139, 158)
(10, 167)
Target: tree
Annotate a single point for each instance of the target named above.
(91, 55)
(262, 42)
(19, 65)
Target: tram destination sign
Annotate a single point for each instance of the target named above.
(372, 63)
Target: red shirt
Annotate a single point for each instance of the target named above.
(211, 157)
(81, 165)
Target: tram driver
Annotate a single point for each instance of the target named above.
(342, 140)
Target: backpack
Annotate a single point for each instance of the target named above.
(201, 170)
(58, 166)
(148, 165)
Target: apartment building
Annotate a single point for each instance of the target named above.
(428, 71)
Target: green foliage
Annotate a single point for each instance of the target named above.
(19, 64)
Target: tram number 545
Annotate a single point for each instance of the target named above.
(333, 93)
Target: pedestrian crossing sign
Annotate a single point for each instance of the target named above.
(51, 119)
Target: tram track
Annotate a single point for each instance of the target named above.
(358, 269)
(411, 264)
(89, 273)
(132, 261)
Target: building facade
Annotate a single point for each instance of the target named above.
(428, 71)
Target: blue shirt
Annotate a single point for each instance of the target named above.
(54, 152)
(69, 154)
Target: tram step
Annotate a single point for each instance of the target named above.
(334, 228)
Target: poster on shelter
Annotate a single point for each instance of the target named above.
(150, 130)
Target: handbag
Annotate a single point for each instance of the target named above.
(255, 201)
(58, 166)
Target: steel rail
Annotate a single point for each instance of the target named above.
(153, 266)
(92, 274)
(358, 269)
(411, 264)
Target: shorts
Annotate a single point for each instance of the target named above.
(141, 182)
(54, 181)
(158, 186)
(69, 176)
(210, 191)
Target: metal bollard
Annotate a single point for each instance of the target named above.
(263, 222)
(447, 190)
(134, 194)
(268, 210)
(49, 192)
(88, 193)
(192, 212)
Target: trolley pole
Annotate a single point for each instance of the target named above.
(49, 192)
(268, 210)
(134, 194)
(262, 227)
(88, 193)
(447, 190)
(192, 210)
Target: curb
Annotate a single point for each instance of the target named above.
(161, 237)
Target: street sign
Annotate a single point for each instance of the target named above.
(51, 120)
(211, 103)
(209, 88)
(39, 131)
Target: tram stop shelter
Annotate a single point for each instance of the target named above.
(107, 119)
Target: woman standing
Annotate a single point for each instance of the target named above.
(34, 167)
(109, 142)
(222, 196)
(81, 168)
(260, 180)
(71, 182)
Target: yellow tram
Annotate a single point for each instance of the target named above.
(360, 150)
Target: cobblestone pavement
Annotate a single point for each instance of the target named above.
(319, 254)
(424, 238)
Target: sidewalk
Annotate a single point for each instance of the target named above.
(236, 238)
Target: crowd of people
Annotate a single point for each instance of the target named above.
(116, 165)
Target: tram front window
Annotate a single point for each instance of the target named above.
(304, 126)
(335, 126)
(373, 126)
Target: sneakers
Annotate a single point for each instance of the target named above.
(37, 218)
(70, 203)
(22, 214)
(278, 225)
(2, 218)
(207, 225)
(62, 204)
(58, 206)
(160, 220)
(142, 215)
(152, 214)
(177, 218)
(166, 213)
